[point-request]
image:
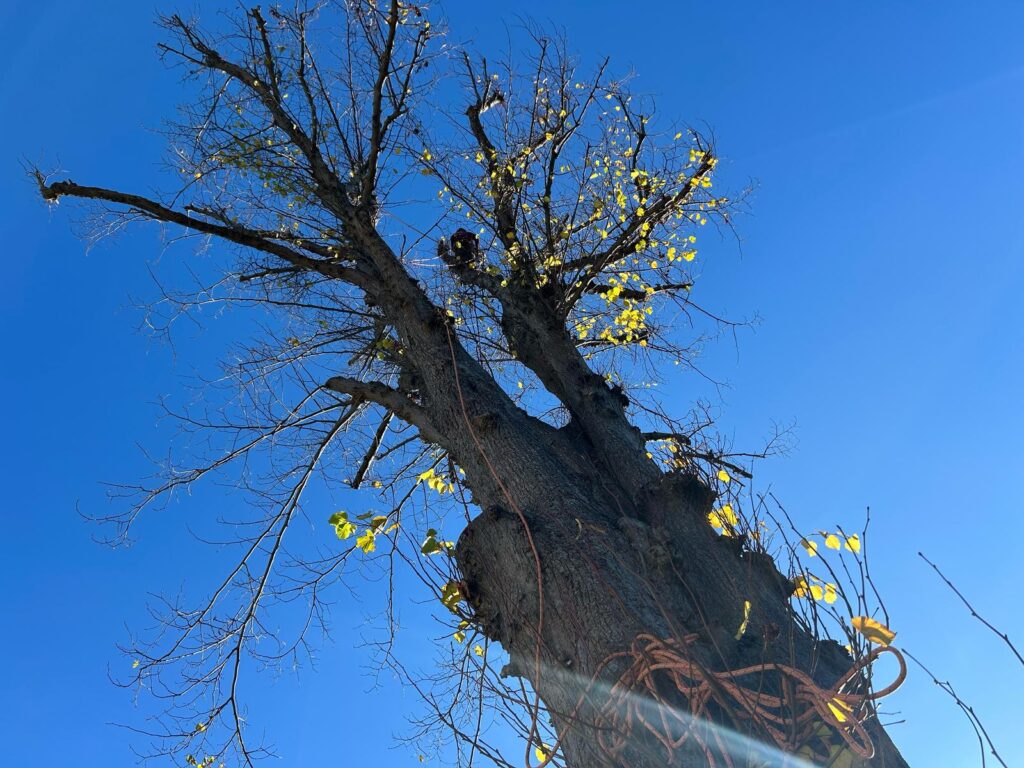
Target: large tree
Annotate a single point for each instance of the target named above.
(466, 272)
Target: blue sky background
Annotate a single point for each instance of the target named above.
(884, 252)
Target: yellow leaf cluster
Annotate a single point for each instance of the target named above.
(367, 540)
(836, 541)
(724, 520)
(435, 481)
(451, 595)
(814, 588)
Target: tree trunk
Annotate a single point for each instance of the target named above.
(615, 568)
(628, 564)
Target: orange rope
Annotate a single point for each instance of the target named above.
(790, 722)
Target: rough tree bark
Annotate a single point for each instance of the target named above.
(582, 543)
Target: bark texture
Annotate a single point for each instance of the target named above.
(616, 563)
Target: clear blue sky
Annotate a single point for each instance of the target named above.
(884, 250)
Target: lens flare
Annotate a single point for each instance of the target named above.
(728, 747)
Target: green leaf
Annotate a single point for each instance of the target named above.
(430, 545)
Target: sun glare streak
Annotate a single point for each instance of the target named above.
(743, 751)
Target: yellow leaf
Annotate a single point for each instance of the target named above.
(832, 541)
(367, 542)
(724, 518)
(478, 650)
(840, 709)
(746, 619)
(135, 664)
(873, 630)
(800, 586)
(451, 596)
(459, 636)
(724, 476)
(342, 527)
(853, 543)
(830, 593)
(810, 546)
(542, 752)
(817, 592)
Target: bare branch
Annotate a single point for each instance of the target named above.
(234, 233)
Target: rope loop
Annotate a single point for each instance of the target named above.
(793, 721)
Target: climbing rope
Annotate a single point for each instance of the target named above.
(792, 721)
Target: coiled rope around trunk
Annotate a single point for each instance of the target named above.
(792, 721)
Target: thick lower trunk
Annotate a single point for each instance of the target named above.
(650, 591)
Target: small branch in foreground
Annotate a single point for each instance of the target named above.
(967, 709)
(1001, 635)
